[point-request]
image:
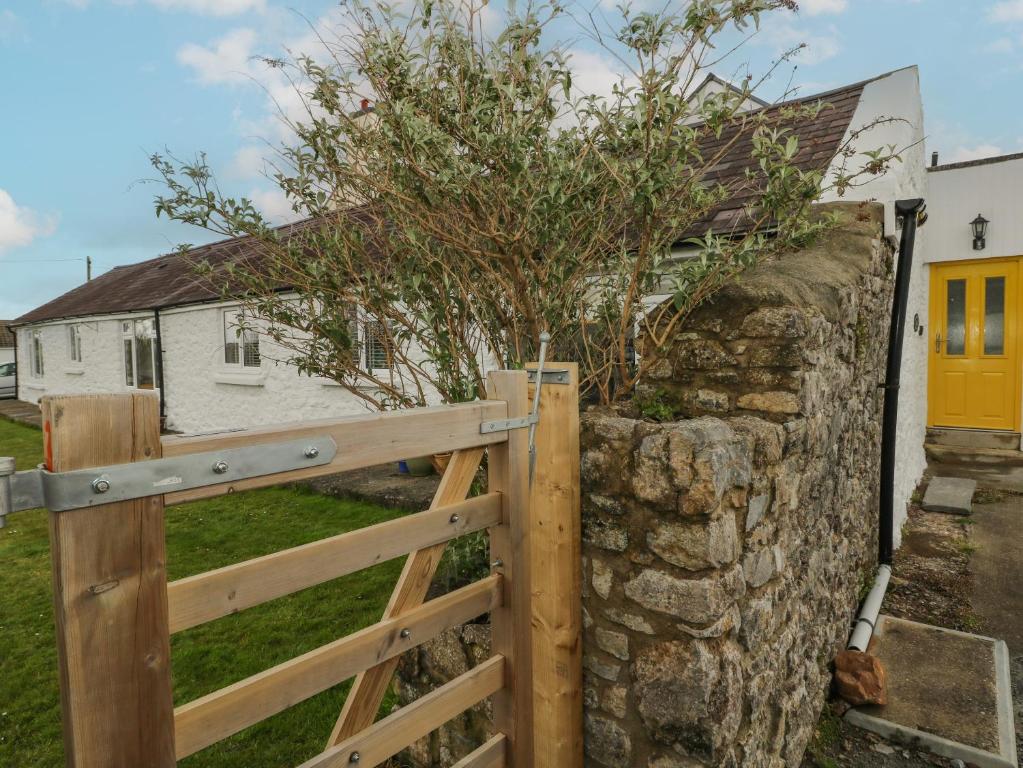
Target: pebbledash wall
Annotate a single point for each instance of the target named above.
(724, 552)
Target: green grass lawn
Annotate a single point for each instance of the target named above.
(200, 536)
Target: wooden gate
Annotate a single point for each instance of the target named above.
(115, 611)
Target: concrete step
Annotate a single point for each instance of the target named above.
(953, 495)
(991, 468)
(973, 438)
(953, 454)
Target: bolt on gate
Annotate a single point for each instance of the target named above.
(109, 475)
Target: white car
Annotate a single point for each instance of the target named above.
(7, 380)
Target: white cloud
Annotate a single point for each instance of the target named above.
(816, 7)
(10, 25)
(977, 152)
(228, 60)
(249, 162)
(1001, 45)
(274, 205)
(19, 226)
(593, 73)
(779, 32)
(1008, 10)
(211, 7)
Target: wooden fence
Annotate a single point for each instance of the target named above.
(115, 611)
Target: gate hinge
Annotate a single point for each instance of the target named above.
(501, 425)
(60, 491)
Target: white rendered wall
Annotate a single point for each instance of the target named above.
(201, 392)
(101, 369)
(6, 355)
(898, 95)
(199, 397)
(957, 195)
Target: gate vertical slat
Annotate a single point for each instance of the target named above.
(110, 591)
(508, 466)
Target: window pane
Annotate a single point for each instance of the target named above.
(146, 376)
(376, 346)
(251, 349)
(129, 368)
(994, 316)
(956, 312)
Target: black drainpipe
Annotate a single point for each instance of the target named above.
(159, 368)
(912, 214)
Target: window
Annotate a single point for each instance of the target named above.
(74, 342)
(35, 354)
(377, 343)
(138, 341)
(241, 340)
(371, 341)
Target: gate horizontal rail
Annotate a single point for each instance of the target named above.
(115, 611)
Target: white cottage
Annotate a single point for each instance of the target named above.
(154, 326)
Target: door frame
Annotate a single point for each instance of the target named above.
(932, 305)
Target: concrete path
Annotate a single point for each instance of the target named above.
(997, 534)
(19, 410)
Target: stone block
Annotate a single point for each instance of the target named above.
(696, 545)
(603, 578)
(696, 601)
(614, 643)
(606, 742)
(770, 402)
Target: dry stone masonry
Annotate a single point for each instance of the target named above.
(724, 551)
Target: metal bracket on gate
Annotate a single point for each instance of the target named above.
(501, 425)
(60, 491)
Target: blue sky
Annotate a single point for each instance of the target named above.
(91, 87)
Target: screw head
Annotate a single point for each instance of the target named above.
(100, 485)
(220, 467)
(354, 757)
(406, 633)
(497, 563)
(454, 519)
(312, 452)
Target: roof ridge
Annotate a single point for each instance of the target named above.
(977, 161)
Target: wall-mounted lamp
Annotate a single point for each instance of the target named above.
(979, 225)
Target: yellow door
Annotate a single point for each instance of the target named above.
(974, 363)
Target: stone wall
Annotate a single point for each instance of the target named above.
(724, 551)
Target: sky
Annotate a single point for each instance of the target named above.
(89, 89)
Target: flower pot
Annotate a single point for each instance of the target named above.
(440, 461)
(419, 467)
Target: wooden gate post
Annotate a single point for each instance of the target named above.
(508, 472)
(110, 591)
(556, 553)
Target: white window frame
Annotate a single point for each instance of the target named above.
(129, 334)
(363, 322)
(235, 319)
(36, 367)
(74, 341)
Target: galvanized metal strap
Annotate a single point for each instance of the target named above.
(60, 491)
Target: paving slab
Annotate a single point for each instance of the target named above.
(947, 691)
(950, 494)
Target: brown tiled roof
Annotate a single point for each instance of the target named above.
(166, 281)
(6, 334)
(819, 142)
(169, 281)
